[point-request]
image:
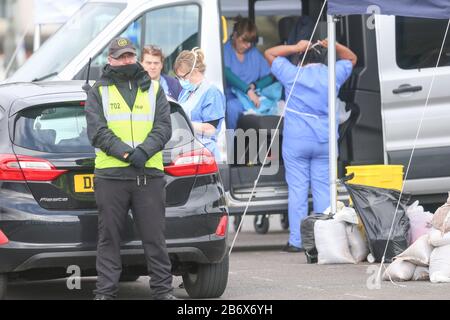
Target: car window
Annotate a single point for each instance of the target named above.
(62, 129)
(418, 42)
(55, 128)
(181, 131)
(173, 29)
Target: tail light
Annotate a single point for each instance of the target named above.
(222, 226)
(25, 168)
(199, 161)
(3, 238)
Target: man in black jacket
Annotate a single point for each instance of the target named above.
(128, 120)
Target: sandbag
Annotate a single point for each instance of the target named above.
(441, 218)
(399, 270)
(419, 220)
(359, 248)
(418, 253)
(346, 214)
(440, 264)
(307, 234)
(331, 242)
(438, 239)
(421, 274)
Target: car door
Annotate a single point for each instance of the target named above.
(408, 49)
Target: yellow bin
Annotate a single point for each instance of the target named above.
(382, 176)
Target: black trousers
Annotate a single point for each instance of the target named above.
(114, 199)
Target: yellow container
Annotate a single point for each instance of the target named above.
(382, 176)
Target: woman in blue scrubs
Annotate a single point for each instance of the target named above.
(203, 102)
(245, 69)
(305, 133)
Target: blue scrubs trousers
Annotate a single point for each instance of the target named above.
(234, 110)
(306, 165)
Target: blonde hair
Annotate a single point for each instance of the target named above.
(188, 58)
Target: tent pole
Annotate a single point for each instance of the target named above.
(332, 141)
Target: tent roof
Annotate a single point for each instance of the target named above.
(438, 9)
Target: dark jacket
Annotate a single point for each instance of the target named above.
(174, 86)
(103, 138)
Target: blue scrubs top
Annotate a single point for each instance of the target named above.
(209, 106)
(306, 114)
(164, 85)
(252, 68)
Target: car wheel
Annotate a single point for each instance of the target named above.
(128, 278)
(207, 280)
(261, 224)
(3, 286)
(284, 221)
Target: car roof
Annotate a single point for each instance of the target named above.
(16, 96)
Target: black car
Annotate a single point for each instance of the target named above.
(48, 215)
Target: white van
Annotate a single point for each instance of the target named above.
(386, 92)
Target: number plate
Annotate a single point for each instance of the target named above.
(84, 182)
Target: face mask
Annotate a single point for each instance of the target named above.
(128, 70)
(187, 85)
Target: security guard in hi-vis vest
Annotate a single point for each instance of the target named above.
(128, 119)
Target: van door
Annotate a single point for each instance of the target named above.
(408, 49)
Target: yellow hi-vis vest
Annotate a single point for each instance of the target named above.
(132, 127)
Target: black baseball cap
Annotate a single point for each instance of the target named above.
(119, 46)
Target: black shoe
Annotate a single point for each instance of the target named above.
(166, 296)
(102, 297)
(290, 248)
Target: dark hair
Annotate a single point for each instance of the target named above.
(317, 54)
(245, 26)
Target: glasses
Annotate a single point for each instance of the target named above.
(184, 77)
(125, 56)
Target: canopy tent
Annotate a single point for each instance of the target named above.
(437, 9)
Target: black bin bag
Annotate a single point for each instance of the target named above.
(376, 208)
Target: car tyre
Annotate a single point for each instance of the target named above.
(207, 280)
(3, 286)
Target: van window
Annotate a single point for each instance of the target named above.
(418, 42)
(173, 29)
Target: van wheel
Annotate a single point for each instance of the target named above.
(261, 223)
(3, 286)
(207, 280)
(284, 221)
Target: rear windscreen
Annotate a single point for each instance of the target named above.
(52, 129)
(62, 129)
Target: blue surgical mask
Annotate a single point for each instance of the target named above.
(187, 85)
